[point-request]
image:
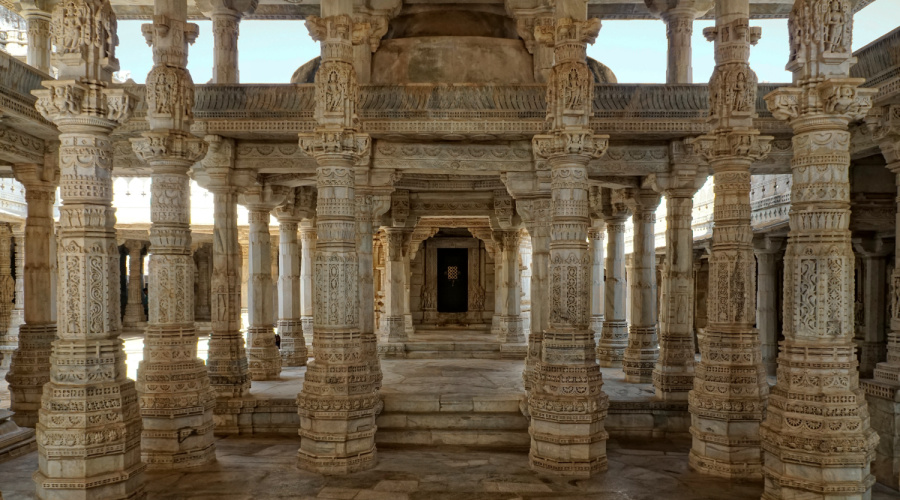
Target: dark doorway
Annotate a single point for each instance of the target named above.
(453, 280)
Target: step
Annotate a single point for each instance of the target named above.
(452, 350)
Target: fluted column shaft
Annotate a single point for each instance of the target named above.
(262, 354)
(673, 375)
(643, 342)
(596, 235)
(614, 335)
(30, 364)
(293, 347)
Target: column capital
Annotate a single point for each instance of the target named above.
(674, 11)
(873, 247)
(641, 201)
(298, 205)
(263, 197)
(136, 246)
(767, 244)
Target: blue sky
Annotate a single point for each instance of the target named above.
(270, 51)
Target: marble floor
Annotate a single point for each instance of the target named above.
(264, 468)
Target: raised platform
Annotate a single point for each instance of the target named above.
(450, 343)
(467, 402)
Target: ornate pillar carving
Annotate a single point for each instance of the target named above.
(673, 375)
(30, 365)
(308, 239)
(730, 388)
(134, 309)
(262, 353)
(536, 214)
(226, 363)
(768, 251)
(679, 17)
(176, 398)
(614, 335)
(226, 20)
(817, 362)
(300, 205)
(396, 244)
(567, 404)
(643, 343)
(89, 426)
(339, 400)
(37, 21)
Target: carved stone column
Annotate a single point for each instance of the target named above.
(614, 335)
(870, 341)
(596, 235)
(299, 205)
(226, 19)
(176, 398)
(510, 324)
(8, 343)
(89, 425)
(768, 251)
(37, 22)
(817, 410)
(567, 404)
(17, 319)
(370, 206)
(202, 256)
(679, 17)
(729, 396)
(339, 400)
(30, 365)
(397, 253)
(308, 238)
(226, 363)
(262, 353)
(673, 375)
(134, 310)
(535, 213)
(643, 342)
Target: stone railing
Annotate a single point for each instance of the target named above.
(17, 80)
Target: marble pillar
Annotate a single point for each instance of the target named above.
(134, 309)
(535, 213)
(567, 403)
(308, 239)
(8, 339)
(870, 338)
(642, 349)
(37, 22)
(262, 353)
(89, 427)
(371, 204)
(510, 324)
(17, 319)
(339, 399)
(597, 235)
(227, 364)
(728, 400)
(175, 394)
(30, 365)
(768, 251)
(817, 361)
(614, 335)
(673, 375)
(396, 255)
(298, 206)
(202, 260)
(679, 16)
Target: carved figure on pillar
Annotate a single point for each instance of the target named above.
(728, 400)
(89, 427)
(339, 400)
(176, 398)
(673, 375)
(817, 361)
(566, 403)
(262, 353)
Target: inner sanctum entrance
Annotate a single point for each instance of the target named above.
(453, 280)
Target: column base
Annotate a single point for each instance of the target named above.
(15, 441)
(183, 460)
(640, 354)
(29, 371)
(612, 344)
(870, 354)
(126, 485)
(262, 355)
(672, 386)
(883, 401)
(511, 329)
(293, 345)
(335, 440)
(229, 373)
(736, 470)
(394, 330)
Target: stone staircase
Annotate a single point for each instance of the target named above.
(452, 420)
(452, 344)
